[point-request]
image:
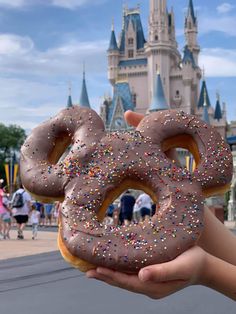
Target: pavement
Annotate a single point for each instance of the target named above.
(45, 242)
(34, 278)
(46, 284)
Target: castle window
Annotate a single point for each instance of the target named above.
(130, 41)
(130, 53)
(134, 99)
(177, 93)
(156, 38)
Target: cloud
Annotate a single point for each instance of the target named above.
(224, 24)
(13, 4)
(14, 45)
(19, 55)
(225, 8)
(67, 4)
(218, 62)
(34, 83)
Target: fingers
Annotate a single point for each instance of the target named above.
(170, 271)
(133, 118)
(132, 283)
(117, 279)
(184, 268)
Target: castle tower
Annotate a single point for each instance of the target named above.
(84, 100)
(191, 31)
(113, 58)
(161, 49)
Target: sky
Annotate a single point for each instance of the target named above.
(43, 44)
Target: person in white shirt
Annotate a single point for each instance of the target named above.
(144, 202)
(34, 219)
(21, 213)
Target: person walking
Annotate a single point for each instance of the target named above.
(1, 209)
(34, 219)
(48, 211)
(127, 202)
(6, 216)
(21, 205)
(144, 202)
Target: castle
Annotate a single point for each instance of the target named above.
(148, 73)
(151, 74)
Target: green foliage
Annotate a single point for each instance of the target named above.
(11, 139)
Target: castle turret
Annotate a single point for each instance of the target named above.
(218, 112)
(84, 100)
(69, 100)
(205, 114)
(191, 31)
(158, 101)
(202, 93)
(113, 57)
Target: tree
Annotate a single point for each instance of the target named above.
(11, 139)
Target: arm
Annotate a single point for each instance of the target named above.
(217, 240)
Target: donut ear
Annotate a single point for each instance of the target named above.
(41, 172)
(172, 129)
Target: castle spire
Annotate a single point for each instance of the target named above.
(113, 43)
(203, 91)
(191, 31)
(69, 101)
(205, 114)
(84, 100)
(191, 12)
(218, 111)
(158, 101)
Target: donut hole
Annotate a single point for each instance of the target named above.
(114, 216)
(182, 150)
(61, 147)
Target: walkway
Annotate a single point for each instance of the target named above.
(46, 242)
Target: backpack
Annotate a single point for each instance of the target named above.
(18, 200)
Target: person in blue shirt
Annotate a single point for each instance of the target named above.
(127, 202)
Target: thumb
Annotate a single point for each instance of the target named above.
(133, 118)
(174, 270)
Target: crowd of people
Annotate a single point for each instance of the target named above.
(130, 209)
(21, 209)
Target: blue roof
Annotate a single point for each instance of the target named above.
(122, 91)
(133, 62)
(84, 100)
(218, 112)
(188, 56)
(205, 115)
(201, 97)
(191, 11)
(113, 42)
(69, 102)
(158, 100)
(135, 19)
(122, 41)
(231, 140)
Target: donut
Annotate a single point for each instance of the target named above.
(99, 166)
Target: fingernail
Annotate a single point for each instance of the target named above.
(144, 275)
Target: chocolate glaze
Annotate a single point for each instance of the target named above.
(98, 163)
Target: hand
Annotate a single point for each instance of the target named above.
(161, 280)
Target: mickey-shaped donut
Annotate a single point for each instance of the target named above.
(100, 166)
